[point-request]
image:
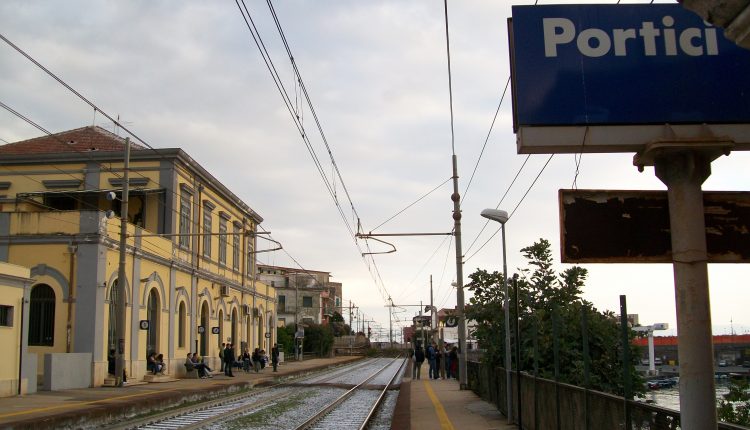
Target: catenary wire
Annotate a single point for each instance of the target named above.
(269, 64)
(514, 209)
(90, 103)
(500, 202)
(411, 204)
(494, 118)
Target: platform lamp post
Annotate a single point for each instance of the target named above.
(502, 217)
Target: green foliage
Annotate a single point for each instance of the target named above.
(336, 317)
(551, 309)
(735, 406)
(318, 339)
(285, 339)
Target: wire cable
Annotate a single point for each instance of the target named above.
(410, 205)
(494, 118)
(500, 202)
(514, 209)
(450, 80)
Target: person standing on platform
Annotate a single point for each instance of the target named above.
(454, 362)
(256, 360)
(275, 357)
(438, 357)
(418, 360)
(447, 358)
(221, 357)
(431, 361)
(228, 360)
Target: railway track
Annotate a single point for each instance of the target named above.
(249, 409)
(356, 407)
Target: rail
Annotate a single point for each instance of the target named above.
(333, 405)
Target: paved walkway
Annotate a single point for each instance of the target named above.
(440, 404)
(73, 408)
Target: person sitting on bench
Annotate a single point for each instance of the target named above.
(197, 364)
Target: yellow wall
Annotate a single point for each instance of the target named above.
(13, 278)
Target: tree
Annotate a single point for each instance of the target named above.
(285, 339)
(318, 339)
(340, 328)
(735, 406)
(550, 309)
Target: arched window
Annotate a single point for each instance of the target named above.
(206, 328)
(42, 316)
(112, 323)
(181, 326)
(152, 314)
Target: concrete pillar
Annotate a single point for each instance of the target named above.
(684, 172)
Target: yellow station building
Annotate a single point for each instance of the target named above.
(191, 279)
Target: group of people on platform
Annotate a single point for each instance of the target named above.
(193, 362)
(257, 360)
(435, 356)
(245, 361)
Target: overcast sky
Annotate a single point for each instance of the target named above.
(187, 74)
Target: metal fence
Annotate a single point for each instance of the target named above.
(546, 404)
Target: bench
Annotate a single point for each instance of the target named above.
(190, 372)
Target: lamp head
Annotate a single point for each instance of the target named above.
(495, 215)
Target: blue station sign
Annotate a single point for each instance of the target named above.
(624, 65)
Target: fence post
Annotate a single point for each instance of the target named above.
(556, 353)
(625, 360)
(536, 370)
(518, 353)
(586, 362)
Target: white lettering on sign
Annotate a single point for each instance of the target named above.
(595, 42)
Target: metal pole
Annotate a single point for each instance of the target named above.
(518, 351)
(683, 173)
(586, 362)
(433, 316)
(506, 310)
(651, 364)
(556, 354)
(625, 360)
(390, 322)
(456, 197)
(120, 320)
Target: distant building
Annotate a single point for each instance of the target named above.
(734, 349)
(303, 296)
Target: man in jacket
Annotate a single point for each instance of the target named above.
(275, 357)
(418, 360)
(228, 360)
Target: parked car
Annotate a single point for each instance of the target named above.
(657, 361)
(661, 383)
(723, 363)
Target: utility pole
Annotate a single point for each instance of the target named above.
(390, 322)
(120, 287)
(433, 315)
(456, 197)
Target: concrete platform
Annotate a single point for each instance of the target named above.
(93, 407)
(440, 404)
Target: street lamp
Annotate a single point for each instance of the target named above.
(502, 217)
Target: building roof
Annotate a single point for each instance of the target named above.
(84, 139)
(719, 339)
(96, 144)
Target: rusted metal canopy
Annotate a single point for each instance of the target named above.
(610, 226)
